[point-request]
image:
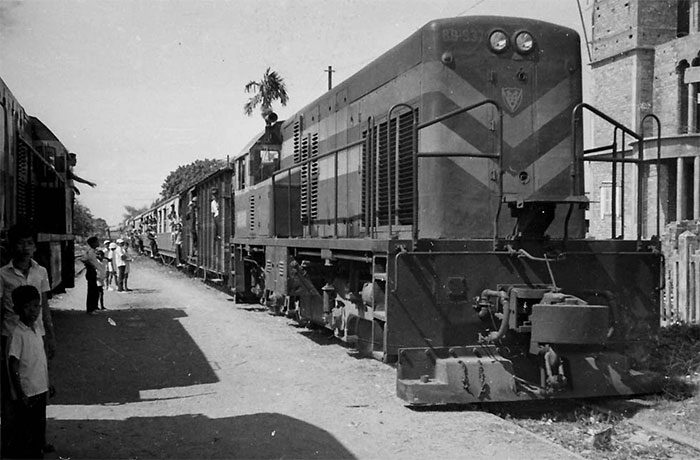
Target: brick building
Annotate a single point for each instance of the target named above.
(645, 59)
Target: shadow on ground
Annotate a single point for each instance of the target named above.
(99, 362)
(264, 435)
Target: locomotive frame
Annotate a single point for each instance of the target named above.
(377, 211)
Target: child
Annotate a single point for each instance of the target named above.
(29, 376)
(126, 256)
(111, 267)
(101, 277)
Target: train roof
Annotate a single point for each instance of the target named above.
(42, 132)
(408, 53)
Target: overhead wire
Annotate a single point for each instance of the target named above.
(478, 2)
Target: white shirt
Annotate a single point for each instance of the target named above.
(118, 257)
(90, 258)
(214, 208)
(28, 347)
(10, 278)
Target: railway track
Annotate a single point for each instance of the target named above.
(602, 429)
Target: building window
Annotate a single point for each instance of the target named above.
(241, 172)
(682, 97)
(683, 20)
(606, 199)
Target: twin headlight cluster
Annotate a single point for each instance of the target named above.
(499, 42)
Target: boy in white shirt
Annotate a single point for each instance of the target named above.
(29, 376)
(101, 275)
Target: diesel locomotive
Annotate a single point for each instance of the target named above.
(36, 188)
(431, 210)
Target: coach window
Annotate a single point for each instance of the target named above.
(241, 171)
(269, 162)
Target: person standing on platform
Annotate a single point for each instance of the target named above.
(126, 257)
(101, 277)
(178, 244)
(93, 268)
(29, 377)
(20, 271)
(111, 267)
(120, 264)
(214, 208)
(192, 218)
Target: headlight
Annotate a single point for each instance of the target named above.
(498, 41)
(524, 42)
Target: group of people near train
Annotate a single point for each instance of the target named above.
(147, 229)
(104, 266)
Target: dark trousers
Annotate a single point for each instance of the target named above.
(178, 254)
(28, 435)
(6, 407)
(101, 296)
(93, 293)
(120, 277)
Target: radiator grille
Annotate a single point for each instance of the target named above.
(375, 181)
(297, 141)
(26, 203)
(251, 213)
(309, 179)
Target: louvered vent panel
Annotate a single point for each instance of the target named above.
(304, 154)
(314, 177)
(297, 142)
(381, 189)
(280, 268)
(385, 156)
(251, 213)
(25, 190)
(365, 178)
(405, 173)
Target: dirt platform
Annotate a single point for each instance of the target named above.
(174, 369)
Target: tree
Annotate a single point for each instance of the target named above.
(188, 175)
(82, 220)
(85, 224)
(269, 89)
(132, 211)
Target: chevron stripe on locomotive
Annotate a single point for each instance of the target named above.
(431, 210)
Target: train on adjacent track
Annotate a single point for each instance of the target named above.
(36, 186)
(431, 210)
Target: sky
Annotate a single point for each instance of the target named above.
(139, 87)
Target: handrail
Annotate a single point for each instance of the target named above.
(575, 183)
(574, 118)
(419, 126)
(318, 157)
(301, 164)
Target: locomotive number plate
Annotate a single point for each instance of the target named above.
(470, 35)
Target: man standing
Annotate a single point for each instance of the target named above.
(22, 270)
(214, 207)
(93, 267)
(120, 264)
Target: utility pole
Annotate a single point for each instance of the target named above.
(330, 77)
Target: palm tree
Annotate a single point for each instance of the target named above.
(270, 88)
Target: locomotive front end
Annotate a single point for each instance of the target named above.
(502, 296)
(519, 157)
